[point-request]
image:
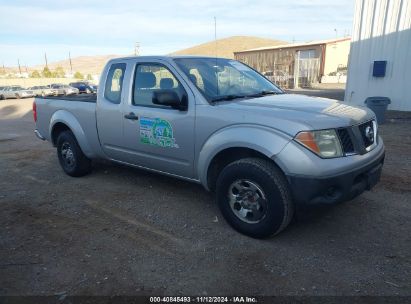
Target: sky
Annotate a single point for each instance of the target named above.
(30, 28)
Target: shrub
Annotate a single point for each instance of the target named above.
(78, 75)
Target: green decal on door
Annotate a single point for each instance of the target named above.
(157, 132)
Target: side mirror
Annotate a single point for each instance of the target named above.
(169, 98)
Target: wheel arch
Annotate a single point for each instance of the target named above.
(64, 120)
(236, 142)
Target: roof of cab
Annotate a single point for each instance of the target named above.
(163, 57)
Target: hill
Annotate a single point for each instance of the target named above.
(85, 64)
(227, 46)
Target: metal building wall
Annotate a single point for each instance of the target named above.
(381, 31)
(280, 60)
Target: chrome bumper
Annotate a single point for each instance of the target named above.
(39, 135)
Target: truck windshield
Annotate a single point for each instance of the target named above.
(225, 79)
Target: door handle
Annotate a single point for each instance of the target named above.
(131, 116)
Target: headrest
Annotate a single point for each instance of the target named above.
(146, 80)
(166, 83)
(193, 78)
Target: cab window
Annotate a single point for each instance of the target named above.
(114, 83)
(151, 77)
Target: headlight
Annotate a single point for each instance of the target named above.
(324, 143)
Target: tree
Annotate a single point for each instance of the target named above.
(89, 77)
(59, 72)
(78, 75)
(46, 72)
(35, 74)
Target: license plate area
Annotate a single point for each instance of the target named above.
(373, 176)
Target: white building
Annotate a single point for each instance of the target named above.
(380, 55)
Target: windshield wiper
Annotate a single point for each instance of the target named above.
(264, 93)
(227, 97)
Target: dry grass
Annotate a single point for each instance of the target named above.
(227, 46)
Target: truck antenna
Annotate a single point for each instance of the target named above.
(215, 42)
(215, 35)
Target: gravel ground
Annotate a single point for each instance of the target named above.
(123, 231)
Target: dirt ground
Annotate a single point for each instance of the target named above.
(123, 231)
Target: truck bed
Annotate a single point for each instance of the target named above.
(76, 111)
(76, 97)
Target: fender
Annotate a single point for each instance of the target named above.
(265, 140)
(65, 117)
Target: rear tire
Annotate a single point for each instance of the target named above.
(71, 158)
(2, 97)
(18, 96)
(254, 197)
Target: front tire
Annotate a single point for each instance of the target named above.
(18, 96)
(254, 197)
(71, 158)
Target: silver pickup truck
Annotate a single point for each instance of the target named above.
(220, 123)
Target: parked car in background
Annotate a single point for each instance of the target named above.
(64, 89)
(43, 91)
(15, 92)
(84, 87)
(1, 89)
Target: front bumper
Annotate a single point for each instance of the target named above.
(337, 188)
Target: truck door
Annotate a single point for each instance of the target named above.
(156, 136)
(109, 113)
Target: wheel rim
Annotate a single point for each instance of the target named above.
(247, 201)
(67, 155)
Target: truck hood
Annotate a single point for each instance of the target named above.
(312, 112)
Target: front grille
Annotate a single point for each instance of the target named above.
(367, 133)
(346, 141)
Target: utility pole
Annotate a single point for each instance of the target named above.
(71, 66)
(18, 62)
(297, 70)
(45, 57)
(137, 49)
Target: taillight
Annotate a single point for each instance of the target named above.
(34, 112)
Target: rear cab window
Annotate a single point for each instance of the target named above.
(114, 82)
